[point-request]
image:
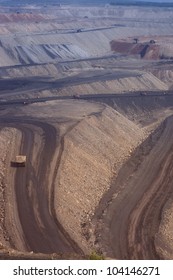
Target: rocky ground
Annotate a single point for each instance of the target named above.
(88, 161)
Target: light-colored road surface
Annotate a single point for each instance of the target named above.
(142, 188)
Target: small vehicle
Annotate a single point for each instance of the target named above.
(20, 161)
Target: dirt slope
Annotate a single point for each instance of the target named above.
(93, 151)
(165, 75)
(144, 81)
(76, 149)
(164, 239)
(140, 192)
(10, 141)
(146, 48)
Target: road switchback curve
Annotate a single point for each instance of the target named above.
(42, 231)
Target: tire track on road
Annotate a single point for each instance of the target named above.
(131, 220)
(49, 237)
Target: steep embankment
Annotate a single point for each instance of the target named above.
(145, 81)
(93, 151)
(151, 48)
(35, 54)
(165, 75)
(164, 239)
(143, 50)
(138, 195)
(32, 70)
(27, 217)
(10, 139)
(46, 46)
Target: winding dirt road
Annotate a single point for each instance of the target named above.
(129, 214)
(144, 184)
(42, 231)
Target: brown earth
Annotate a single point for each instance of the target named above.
(143, 50)
(92, 138)
(6, 18)
(150, 48)
(32, 188)
(93, 151)
(88, 164)
(137, 198)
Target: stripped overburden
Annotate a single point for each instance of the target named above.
(86, 97)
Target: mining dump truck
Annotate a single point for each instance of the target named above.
(20, 161)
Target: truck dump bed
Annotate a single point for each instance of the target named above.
(20, 160)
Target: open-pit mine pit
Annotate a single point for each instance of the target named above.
(86, 135)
